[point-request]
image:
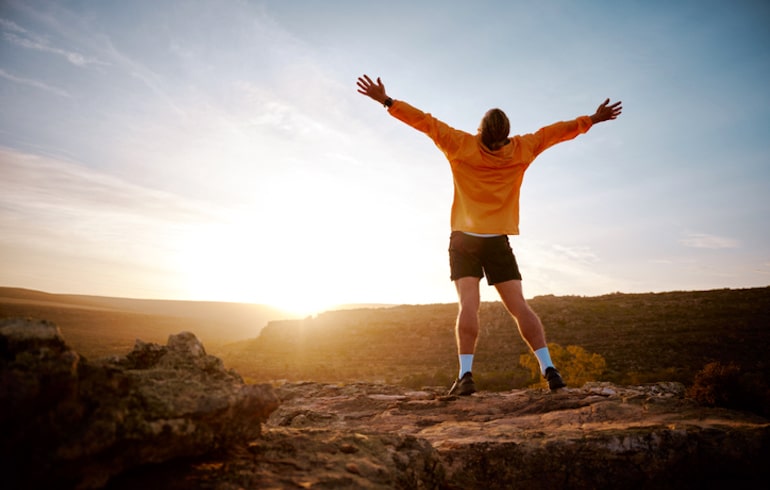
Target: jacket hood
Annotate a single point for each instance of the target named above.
(500, 157)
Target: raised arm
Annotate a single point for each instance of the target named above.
(606, 112)
(444, 136)
(548, 136)
(373, 90)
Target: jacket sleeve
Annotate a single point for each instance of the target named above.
(444, 136)
(548, 136)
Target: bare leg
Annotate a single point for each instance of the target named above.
(467, 327)
(531, 329)
(530, 326)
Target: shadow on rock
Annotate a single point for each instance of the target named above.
(68, 422)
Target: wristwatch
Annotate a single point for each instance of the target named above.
(388, 102)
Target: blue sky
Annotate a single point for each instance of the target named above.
(218, 150)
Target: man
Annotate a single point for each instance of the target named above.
(488, 169)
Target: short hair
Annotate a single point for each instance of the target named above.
(495, 128)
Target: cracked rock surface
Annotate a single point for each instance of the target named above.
(598, 436)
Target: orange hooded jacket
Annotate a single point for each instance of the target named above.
(487, 183)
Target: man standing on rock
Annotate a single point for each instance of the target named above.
(488, 169)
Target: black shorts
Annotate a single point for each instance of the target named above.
(472, 256)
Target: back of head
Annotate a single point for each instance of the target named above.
(494, 129)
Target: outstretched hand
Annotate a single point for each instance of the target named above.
(607, 112)
(374, 90)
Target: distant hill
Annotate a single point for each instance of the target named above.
(642, 337)
(97, 325)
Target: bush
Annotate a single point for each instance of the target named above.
(729, 386)
(576, 365)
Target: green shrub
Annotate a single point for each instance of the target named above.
(576, 365)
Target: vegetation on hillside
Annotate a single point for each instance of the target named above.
(621, 338)
(576, 365)
(730, 386)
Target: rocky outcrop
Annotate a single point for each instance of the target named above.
(599, 436)
(68, 422)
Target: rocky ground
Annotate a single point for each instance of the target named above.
(597, 436)
(172, 417)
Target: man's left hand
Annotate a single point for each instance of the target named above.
(607, 112)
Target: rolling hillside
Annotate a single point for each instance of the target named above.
(642, 337)
(98, 326)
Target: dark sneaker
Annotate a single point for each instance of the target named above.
(464, 386)
(554, 378)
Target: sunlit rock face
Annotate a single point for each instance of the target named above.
(596, 436)
(377, 436)
(70, 422)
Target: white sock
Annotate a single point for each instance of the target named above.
(466, 363)
(544, 358)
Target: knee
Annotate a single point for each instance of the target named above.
(467, 315)
(468, 319)
(469, 305)
(520, 310)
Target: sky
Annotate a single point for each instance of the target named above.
(218, 150)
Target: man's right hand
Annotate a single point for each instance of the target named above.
(374, 90)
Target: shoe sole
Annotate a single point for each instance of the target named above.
(463, 390)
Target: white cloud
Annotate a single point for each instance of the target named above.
(38, 44)
(9, 25)
(34, 83)
(581, 254)
(64, 226)
(43, 180)
(562, 269)
(49, 203)
(705, 240)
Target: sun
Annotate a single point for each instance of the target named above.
(236, 263)
(301, 243)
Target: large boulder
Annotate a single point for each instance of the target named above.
(68, 422)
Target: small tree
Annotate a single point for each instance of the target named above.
(576, 365)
